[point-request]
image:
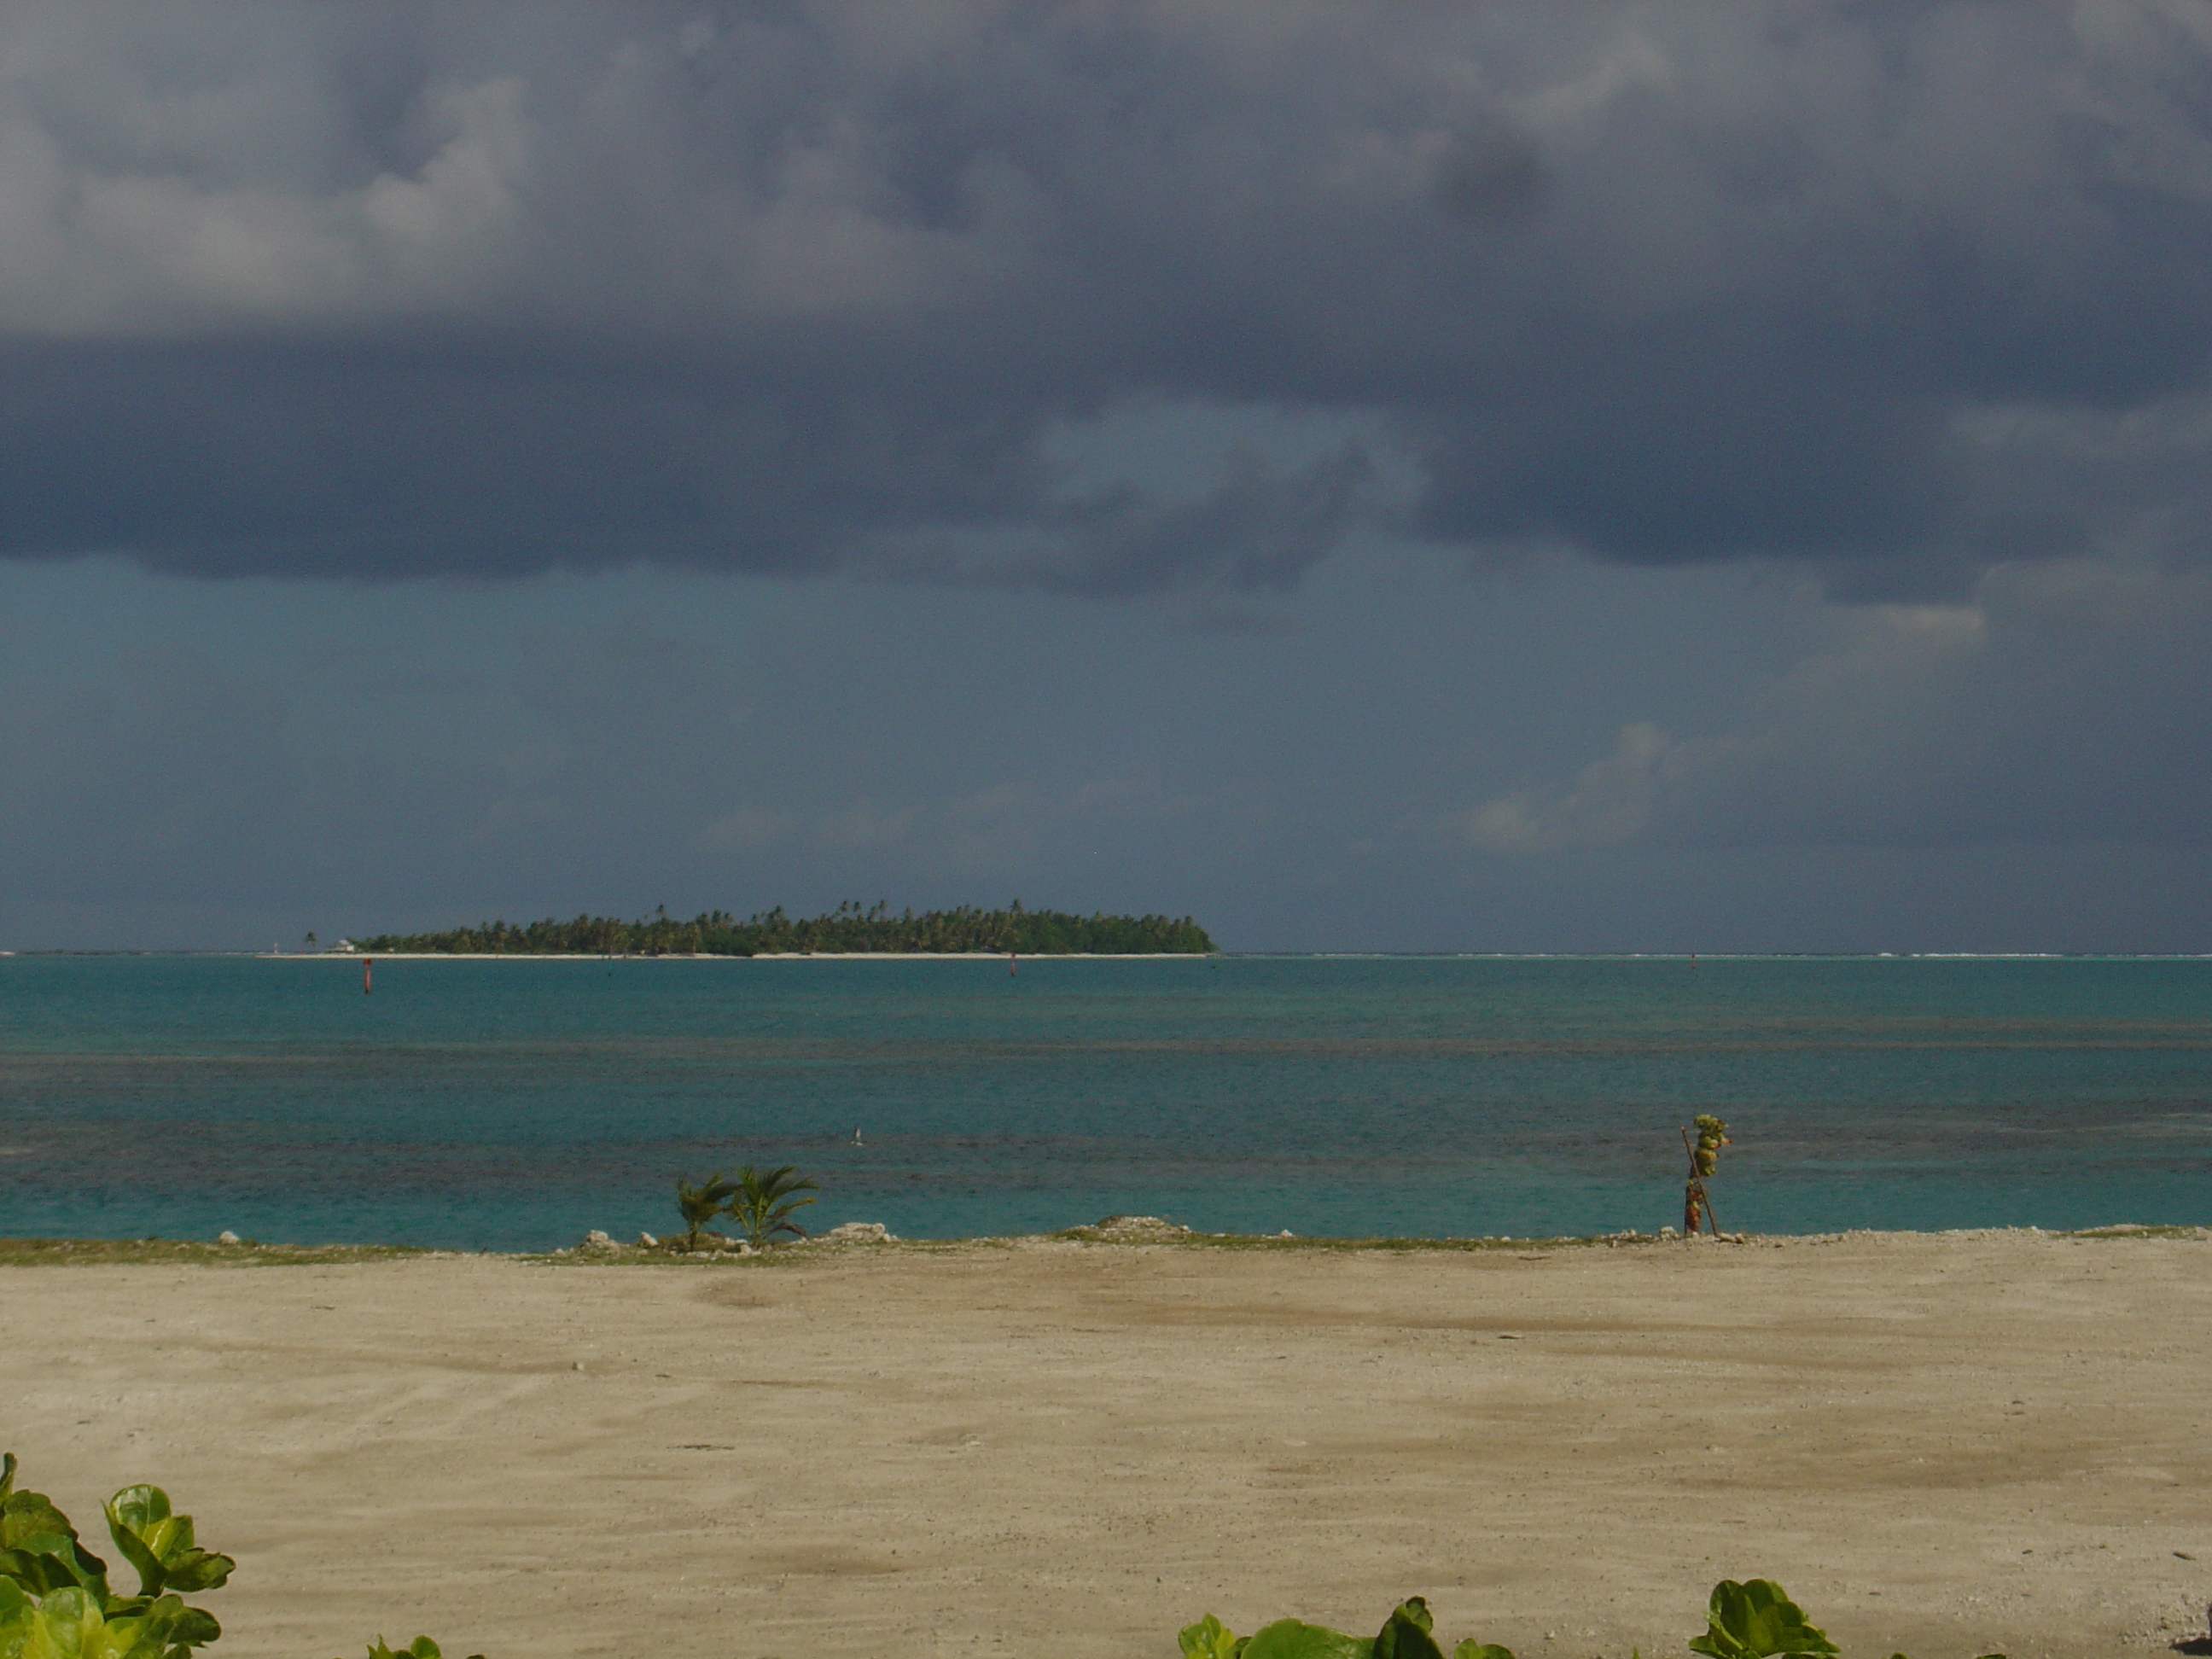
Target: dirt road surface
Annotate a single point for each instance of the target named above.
(1952, 1444)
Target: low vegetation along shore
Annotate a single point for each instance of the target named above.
(648, 1249)
(850, 929)
(1126, 1442)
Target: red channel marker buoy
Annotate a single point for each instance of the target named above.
(365, 963)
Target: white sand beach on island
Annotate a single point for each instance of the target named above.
(1951, 1444)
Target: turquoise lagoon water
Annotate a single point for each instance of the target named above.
(513, 1104)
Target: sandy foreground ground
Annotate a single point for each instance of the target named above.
(1950, 1444)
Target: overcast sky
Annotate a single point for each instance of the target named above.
(1383, 475)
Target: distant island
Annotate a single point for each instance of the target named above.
(849, 927)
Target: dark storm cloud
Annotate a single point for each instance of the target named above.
(1905, 290)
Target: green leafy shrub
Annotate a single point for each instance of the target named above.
(1755, 1620)
(55, 1598)
(1408, 1633)
(1752, 1620)
(56, 1601)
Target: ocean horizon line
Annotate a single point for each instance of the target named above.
(217, 953)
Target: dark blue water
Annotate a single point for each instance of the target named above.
(513, 1104)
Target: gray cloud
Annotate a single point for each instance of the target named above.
(1900, 290)
(2064, 703)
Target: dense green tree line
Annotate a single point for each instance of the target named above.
(848, 927)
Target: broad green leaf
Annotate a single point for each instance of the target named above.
(1206, 1639)
(199, 1569)
(135, 1552)
(139, 1508)
(1405, 1633)
(1757, 1620)
(28, 1521)
(191, 1627)
(54, 1624)
(1286, 1638)
(1472, 1648)
(38, 1547)
(69, 1624)
(159, 1543)
(40, 1574)
(69, 1567)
